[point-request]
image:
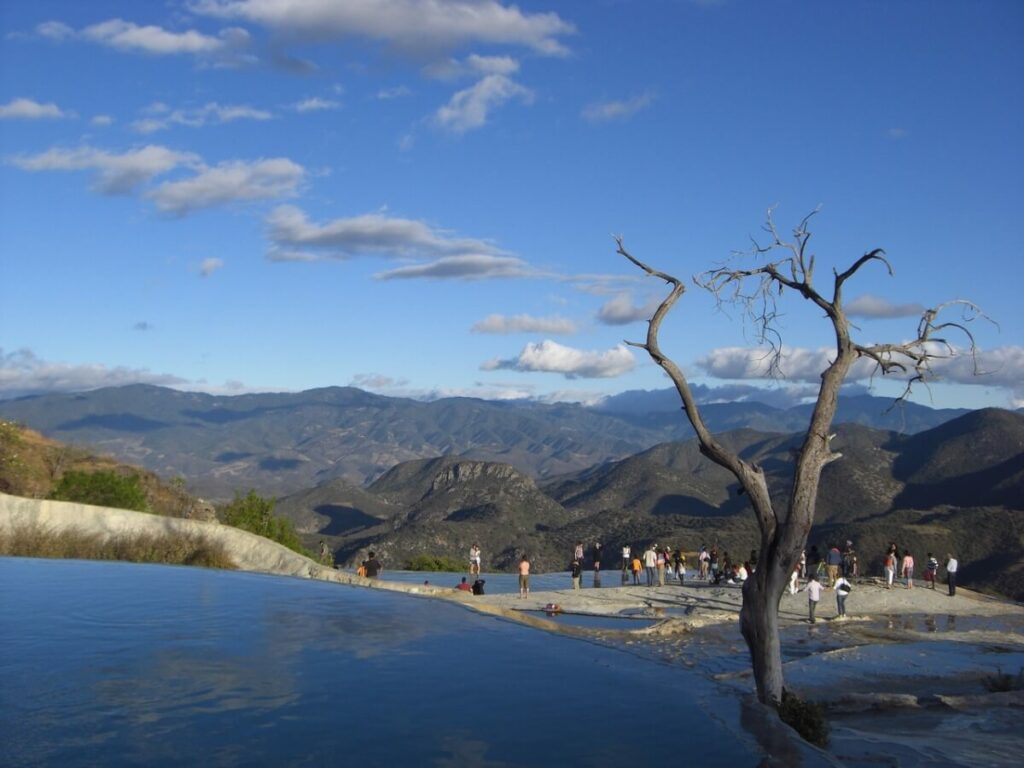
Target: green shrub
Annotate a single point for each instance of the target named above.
(168, 549)
(805, 717)
(255, 514)
(435, 563)
(103, 489)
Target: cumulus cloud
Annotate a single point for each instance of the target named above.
(999, 367)
(620, 310)
(605, 111)
(551, 357)
(27, 109)
(227, 183)
(102, 121)
(116, 174)
(23, 373)
(208, 266)
(127, 36)
(294, 237)
(524, 324)
(875, 307)
(469, 108)
(54, 30)
(413, 26)
(469, 266)
(161, 118)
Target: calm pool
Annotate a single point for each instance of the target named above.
(120, 664)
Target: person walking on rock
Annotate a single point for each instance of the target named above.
(577, 573)
(627, 558)
(890, 568)
(813, 590)
(951, 568)
(524, 578)
(842, 588)
(637, 566)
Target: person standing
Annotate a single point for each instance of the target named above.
(650, 562)
(679, 561)
(951, 568)
(637, 566)
(833, 560)
(659, 563)
(577, 553)
(793, 577)
(577, 573)
(627, 557)
(474, 560)
(524, 578)
(597, 556)
(908, 568)
(372, 566)
(931, 570)
(842, 588)
(849, 561)
(703, 563)
(813, 590)
(890, 568)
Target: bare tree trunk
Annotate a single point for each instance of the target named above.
(759, 623)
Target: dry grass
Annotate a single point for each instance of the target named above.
(168, 549)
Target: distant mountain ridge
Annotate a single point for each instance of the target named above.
(279, 443)
(672, 495)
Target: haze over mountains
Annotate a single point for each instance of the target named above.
(282, 443)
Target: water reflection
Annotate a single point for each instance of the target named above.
(112, 664)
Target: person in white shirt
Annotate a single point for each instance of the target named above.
(650, 563)
(842, 588)
(813, 590)
(627, 556)
(951, 567)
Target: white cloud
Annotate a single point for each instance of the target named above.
(54, 30)
(229, 182)
(315, 104)
(27, 109)
(292, 234)
(469, 266)
(208, 266)
(999, 367)
(374, 381)
(127, 36)
(620, 310)
(102, 121)
(524, 324)
(602, 112)
(469, 108)
(115, 173)
(550, 357)
(874, 306)
(398, 92)
(897, 133)
(23, 373)
(473, 65)
(416, 26)
(161, 117)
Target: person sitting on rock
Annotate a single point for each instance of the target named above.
(464, 585)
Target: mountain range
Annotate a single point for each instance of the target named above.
(364, 472)
(283, 442)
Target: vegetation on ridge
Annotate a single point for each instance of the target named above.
(166, 549)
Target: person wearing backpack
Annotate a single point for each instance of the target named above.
(842, 588)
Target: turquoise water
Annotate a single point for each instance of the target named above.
(119, 664)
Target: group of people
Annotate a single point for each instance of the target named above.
(656, 562)
(902, 563)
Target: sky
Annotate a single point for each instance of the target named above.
(420, 197)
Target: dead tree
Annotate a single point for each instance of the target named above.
(784, 529)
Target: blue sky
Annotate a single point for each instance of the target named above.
(419, 198)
